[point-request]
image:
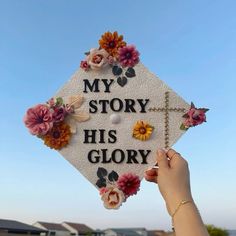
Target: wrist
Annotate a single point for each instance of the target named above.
(173, 203)
(178, 208)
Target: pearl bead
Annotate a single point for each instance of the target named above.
(115, 118)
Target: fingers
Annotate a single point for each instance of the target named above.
(171, 153)
(151, 172)
(151, 175)
(162, 160)
(165, 160)
(152, 179)
(175, 158)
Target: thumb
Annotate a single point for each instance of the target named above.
(162, 159)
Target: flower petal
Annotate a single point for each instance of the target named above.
(80, 116)
(72, 123)
(76, 101)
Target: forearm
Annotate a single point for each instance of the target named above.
(187, 221)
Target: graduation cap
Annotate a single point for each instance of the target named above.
(109, 119)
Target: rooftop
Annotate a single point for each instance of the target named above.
(16, 226)
(155, 232)
(81, 228)
(52, 226)
(127, 231)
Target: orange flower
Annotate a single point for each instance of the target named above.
(111, 42)
(58, 137)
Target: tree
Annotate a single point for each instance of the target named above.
(215, 231)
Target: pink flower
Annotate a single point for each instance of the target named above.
(38, 119)
(97, 58)
(103, 190)
(113, 198)
(129, 183)
(128, 56)
(59, 114)
(84, 65)
(195, 116)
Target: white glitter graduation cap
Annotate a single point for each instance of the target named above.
(109, 119)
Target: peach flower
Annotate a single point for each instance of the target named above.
(113, 198)
(97, 58)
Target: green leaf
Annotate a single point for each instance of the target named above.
(122, 81)
(182, 127)
(59, 101)
(116, 70)
(130, 72)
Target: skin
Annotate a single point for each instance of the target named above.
(172, 178)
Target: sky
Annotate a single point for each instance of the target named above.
(189, 44)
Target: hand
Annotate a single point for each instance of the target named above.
(172, 177)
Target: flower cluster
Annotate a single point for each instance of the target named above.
(51, 121)
(119, 189)
(113, 51)
(195, 116)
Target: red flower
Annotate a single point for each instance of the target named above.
(128, 56)
(129, 183)
(195, 116)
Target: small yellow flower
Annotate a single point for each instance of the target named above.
(142, 130)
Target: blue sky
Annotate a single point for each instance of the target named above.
(188, 44)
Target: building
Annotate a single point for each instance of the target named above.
(16, 228)
(126, 232)
(53, 229)
(68, 229)
(135, 232)
(81, 229)
(158, 233)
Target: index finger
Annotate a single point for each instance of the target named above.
(172, 153)
(173, 156)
